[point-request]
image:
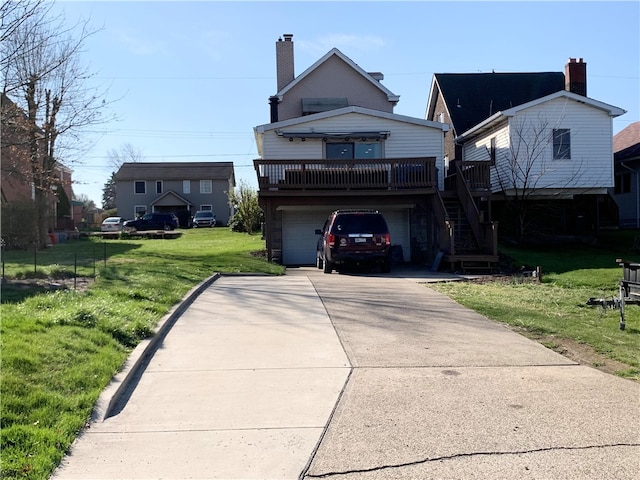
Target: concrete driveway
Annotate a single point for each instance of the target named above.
(353, 377)
(438, 391)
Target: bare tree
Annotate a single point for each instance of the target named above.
(44, 75)
(124, 154)
(526, 168)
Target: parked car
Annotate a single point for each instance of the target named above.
(112, 224)
(152, 221)
(354, 237)
(204, 218)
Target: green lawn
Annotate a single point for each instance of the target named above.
(556, 309)
(60, 349)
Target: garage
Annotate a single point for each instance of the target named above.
(299, 239)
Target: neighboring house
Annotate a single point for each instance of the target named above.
(537, 140)
(334, 142)
(181, 188)
(626, 191)
(18, 192)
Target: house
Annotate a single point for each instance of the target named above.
(626, 191)
(445, 183)
(177, 187)
(334, 142)
(18, 186)
(541, 145)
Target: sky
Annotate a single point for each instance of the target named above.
(189, 81)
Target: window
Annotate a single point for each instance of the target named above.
(139, 210)
(140, 186)
(186, 186)
(158, 186)
(206, 208)
(349, 150)
(206, 186)
(561, 143)
(492, 151)
(622, 183)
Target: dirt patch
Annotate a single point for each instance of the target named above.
(578, 352)
(79, 284)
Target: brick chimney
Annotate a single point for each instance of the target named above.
(284, 60)
(575, 76)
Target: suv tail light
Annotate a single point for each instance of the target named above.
(387, 238)
(331, 239)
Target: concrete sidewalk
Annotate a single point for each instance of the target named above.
(242, 387)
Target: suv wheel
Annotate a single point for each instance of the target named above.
(385, 267)
(327, 267)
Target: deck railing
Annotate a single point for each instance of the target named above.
(360, 174)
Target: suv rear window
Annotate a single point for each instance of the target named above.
(346, 223)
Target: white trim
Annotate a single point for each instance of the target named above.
(261, 129)
(134, 187)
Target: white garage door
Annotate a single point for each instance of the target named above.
(298, 236)
(299, 239)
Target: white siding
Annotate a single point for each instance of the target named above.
(406, 140)
(591, 162)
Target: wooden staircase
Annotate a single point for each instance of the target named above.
(468, 238)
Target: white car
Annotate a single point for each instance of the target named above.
(112, 224)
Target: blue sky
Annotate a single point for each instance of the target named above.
(190, 80)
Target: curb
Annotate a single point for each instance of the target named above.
(139, 358)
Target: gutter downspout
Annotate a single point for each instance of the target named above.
(635, 172)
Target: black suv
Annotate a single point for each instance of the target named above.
(152, 221)
(354, 237)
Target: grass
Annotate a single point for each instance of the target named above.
(59, 349)
(556, 308)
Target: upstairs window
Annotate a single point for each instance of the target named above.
(206, 186)
(158, 186)
(350, 150)
(140, 186)
(561, 143)
(186, 186)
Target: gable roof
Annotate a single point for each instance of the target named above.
(626, 143)
(260, 130)
(175, 171)
(471, 98)
(335, 52)
(510, 112)
(346, 110)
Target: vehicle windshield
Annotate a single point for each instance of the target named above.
(204, 214)
(359, 223)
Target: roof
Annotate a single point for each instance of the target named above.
(334, 51)
(260, 130)
(472, 97)
(626, 143)
(175, 171)
(500, 116)
(346, 110)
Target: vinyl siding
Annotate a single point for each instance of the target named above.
(333, 78)
(406, 140)
(591, 162)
